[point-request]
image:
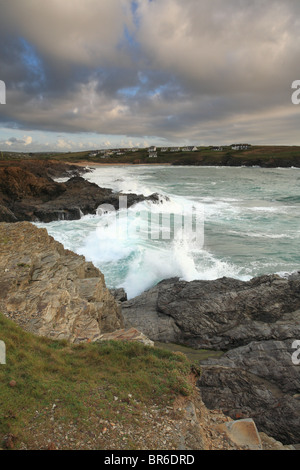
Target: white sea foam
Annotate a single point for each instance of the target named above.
(248, 230)
(149, 261)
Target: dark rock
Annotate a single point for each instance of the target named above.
(256, 322)
(27, 196)
(119, 294)
(141, 312)
(238, 392)
(6, 215)
(221, 314)
(47, 168)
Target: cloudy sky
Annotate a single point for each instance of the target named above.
(120, 73)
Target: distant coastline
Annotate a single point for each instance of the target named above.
(231, 156)
(85, 164)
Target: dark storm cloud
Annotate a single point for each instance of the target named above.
(194, 70)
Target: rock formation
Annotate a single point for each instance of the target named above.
(130, 335)
(258, 391)
(31, 195)
(255, 323)
(46, 168)
(51, 291)
(220, 314)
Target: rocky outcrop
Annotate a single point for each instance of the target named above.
(46, 168)
(255, 323)
(130, 335)
(51, 291)
(33, 196)
(241, 394)
(220, 314)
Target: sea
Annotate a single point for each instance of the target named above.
(209, 222)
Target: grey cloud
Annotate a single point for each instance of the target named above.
(173, 69)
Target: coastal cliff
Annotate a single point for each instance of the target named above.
(63, 327)
(254, 324)
(51, 291)
(29, 193)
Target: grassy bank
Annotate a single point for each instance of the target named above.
(52, 389)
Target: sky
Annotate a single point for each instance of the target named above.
(120, 73)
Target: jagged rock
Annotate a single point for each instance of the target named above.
(141, 313)
(17, 184)
(130, 335)
(256, 322)
(220, 314)
(46, 168)
(270, 360)
(119, 294)
(51, 291)
(25, 195)
(6, 215)
(241, 394)
(258, 380)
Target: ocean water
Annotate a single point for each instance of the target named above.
(211, 222)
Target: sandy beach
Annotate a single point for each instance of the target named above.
(116, 164)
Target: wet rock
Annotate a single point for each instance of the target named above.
(34, 196)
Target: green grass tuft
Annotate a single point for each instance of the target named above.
(83, 379)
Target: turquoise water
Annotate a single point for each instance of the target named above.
(246, 221)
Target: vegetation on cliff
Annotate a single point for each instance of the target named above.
(89, 392)
(27, 192)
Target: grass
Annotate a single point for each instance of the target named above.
(81, 382)
(194, 355)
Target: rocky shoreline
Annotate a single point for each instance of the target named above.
(254, 323)
(53, 292)
(28, 192)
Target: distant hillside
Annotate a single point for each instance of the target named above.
(265, 156)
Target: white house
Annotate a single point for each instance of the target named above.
(152, 154)
(240, 147)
